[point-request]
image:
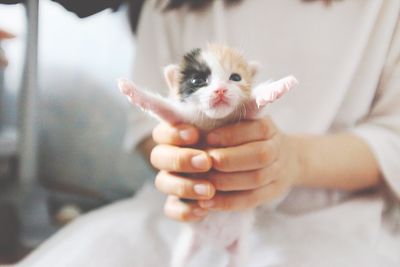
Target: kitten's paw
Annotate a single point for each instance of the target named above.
(268, 92)
(127, 87)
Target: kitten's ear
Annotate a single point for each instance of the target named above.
(254, 67)
(171, 75)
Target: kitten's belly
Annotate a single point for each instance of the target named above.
(223, 228)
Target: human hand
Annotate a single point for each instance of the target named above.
(253, 163)
(173, 157)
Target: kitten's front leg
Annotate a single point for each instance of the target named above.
(238, 252)
(163, 108)
(266, 93)
(186, 247)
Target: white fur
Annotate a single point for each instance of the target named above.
(219, 230)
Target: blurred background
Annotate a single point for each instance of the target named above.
(76, 133)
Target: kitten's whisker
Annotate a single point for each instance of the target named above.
(240, 112)
(244, 111)
(236, 114)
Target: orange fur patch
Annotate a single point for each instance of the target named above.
(233, 60)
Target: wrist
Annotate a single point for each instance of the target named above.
(301, 159)
(339, 161)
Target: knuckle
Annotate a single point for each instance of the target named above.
(177, 162)
(153, 157)
(218, 182)
(276, 167)
(158, 181)
(184, 189)
(158, 133)
(174, 211)
(220, 160)
(154, 134)
(263, 155)
(263, 128)
(227, 137)
(184, 215)
(221, 185)
(168, 209)
(274, 150)
(259, 177)
(180, 191)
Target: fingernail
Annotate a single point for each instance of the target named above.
(202, 189)
(187, 135)
(200, 162)
(213, 139)
(200, 212)
(206, 203)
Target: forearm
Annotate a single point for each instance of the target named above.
(339, 161)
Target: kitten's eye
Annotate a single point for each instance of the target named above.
(235, 77)
(198, 81)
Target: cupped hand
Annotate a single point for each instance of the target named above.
(182, 172)
(253, 163)
(250, 163)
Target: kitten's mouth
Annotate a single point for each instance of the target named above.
(219, 101)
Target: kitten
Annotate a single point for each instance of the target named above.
(210, 88)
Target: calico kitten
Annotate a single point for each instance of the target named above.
(210, 88)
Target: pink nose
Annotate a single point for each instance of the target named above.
(220, 91)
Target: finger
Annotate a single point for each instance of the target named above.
(176, 209)
(182, 187)
(241, 200)
(179, 135)
(6, 35)
(177, 159)
(241, 133)
(248, 180)
(251, 156)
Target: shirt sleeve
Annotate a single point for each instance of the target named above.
(157, 46)
(381, 130)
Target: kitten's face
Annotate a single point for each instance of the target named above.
(217, 80)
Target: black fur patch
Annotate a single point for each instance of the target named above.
(192, 67)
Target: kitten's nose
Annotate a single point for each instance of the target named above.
(220, 91)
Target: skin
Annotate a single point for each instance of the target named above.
(251, 163)
(4, 35)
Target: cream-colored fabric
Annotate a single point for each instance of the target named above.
(347, 59)
(134, 233)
